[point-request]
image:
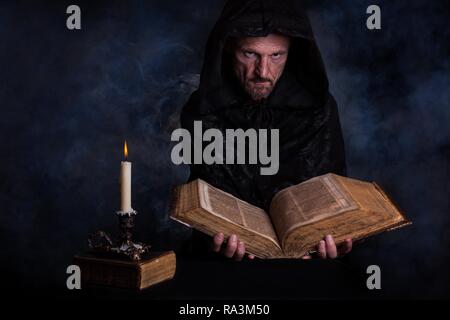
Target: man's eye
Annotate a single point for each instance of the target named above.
(249, 54)
(276, 55)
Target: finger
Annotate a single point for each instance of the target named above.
(306, 257)
(251, 256)
(217, 242)
(346, 247)
(321, 250)
(331, 247)
(231, 246)
(240, 251)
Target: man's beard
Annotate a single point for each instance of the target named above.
(259, 92)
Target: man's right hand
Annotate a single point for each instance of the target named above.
(233, 249)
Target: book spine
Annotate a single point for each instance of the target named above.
(99, 273)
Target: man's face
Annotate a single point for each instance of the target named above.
(259, 63)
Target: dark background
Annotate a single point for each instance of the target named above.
(69, 99)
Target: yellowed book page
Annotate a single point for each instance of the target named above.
(315, 199)
(354, 224)
(236, 211)
(368, 196)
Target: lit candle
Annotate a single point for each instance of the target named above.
(125, 183)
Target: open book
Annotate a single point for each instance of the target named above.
(299, 216)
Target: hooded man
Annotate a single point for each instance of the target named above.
(263, 70)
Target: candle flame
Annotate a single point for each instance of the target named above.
(125, 150)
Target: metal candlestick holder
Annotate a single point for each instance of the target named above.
(100, 242)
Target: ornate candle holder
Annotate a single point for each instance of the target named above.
(100, 242)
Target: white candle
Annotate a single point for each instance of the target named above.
(125, 183)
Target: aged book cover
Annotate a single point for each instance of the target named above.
(155, 268)
(299, 216)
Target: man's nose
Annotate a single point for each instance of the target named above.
(263, 68)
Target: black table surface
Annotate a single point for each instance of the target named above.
(218, 278)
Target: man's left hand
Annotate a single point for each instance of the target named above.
(326, 249)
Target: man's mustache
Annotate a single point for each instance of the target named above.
(261, 80)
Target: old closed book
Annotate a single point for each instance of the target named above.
(299, 216)
(154, 268)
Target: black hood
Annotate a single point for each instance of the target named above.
(300, 105)
(304, 73)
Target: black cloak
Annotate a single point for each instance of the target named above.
(300, 105)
